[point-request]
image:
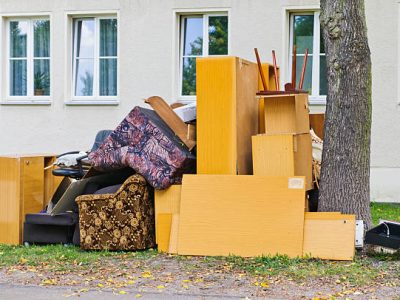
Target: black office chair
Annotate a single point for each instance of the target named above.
(79, 169)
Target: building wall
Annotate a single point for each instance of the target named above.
(148, 65)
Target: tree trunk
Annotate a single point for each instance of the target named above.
(345, 168)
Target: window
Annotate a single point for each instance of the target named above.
(200, 35)
(95, 58)
(305, 33)
(29, 58)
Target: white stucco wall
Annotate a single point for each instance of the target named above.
(147, 67)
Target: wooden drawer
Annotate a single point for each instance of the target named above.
(283, 155)
(285, 114)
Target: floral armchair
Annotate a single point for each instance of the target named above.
(123, 220)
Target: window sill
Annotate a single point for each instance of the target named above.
(26, 102)
(317, 100)
(92, 102)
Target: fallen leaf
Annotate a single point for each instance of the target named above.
(138, 296)
(146, 274)
(122, 292)
(23, 261)
(160, 287)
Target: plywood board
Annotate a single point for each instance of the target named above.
(329, 236)
(283, 155)
(241, 215)
(227, 114)
(268, 70)
(270, 78)
(317, 122)
(9, 201)
(286, 114)
(32, 185)
(273, 155)
(167, 202)
(167, 114)
(246, 114)
(173, 237)
(21, 192)
(303, 157)
(163, 230)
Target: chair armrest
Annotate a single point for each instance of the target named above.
(66, 153)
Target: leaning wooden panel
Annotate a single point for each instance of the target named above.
(241, 215)
(329, 236)
(163, 231)
(167, 202)
(227, 114)
(10, 201)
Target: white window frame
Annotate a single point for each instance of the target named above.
(289, 12)
(30, 98)
(180, 36)
(69, 90)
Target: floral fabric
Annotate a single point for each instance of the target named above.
(120, 221)
(145, 143)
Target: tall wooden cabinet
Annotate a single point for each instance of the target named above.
(26, 185)
(227, 114)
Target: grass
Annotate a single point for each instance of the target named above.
(363, 270)
(61, 257)
(387, 211)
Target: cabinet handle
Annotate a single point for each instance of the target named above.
(27, 162)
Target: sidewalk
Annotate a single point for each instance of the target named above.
(16, 292)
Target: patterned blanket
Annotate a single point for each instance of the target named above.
(145, 143)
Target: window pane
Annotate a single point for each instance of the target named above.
(307, 76)
(189, 77)
(218, 35)
(108, 77)
(84, 77)
(84, 38)
(41, 45)
(41, 77)
(18, 77)
(108, 37)
(18, 38)
(303, 33)
(193, 35)
(323, 82)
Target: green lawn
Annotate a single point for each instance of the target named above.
(386, 211)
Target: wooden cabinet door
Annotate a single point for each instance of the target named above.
(32, 186)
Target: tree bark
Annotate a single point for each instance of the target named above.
(345, 168)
